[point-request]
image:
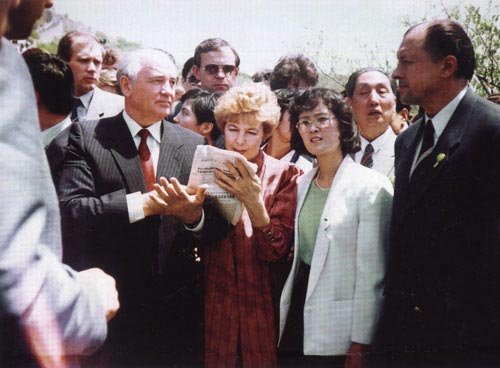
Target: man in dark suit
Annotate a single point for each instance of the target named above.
(442, 290)
(53, 82)
(106, 191)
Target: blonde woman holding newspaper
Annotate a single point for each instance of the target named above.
(239, 316)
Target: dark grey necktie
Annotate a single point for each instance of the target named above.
(367, 159)
(74, 112)
(428, 138)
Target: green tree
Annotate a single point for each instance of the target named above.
(483, 27)
(50, 47)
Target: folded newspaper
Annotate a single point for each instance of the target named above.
(206, 160)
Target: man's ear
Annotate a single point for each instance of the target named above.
(405, 114)
(449, 66)
(125, 85)
(196, 71)
(206, 127)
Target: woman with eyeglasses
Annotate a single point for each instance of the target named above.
(239, 317)
(331, 300)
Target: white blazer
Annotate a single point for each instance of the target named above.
(104, 105)
(344, 292)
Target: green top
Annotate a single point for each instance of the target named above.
(309, 220)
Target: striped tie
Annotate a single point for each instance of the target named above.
(367, 159)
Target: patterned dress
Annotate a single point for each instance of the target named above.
(238, 299)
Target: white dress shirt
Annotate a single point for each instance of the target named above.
(383, 152)
(439, 121)
(49, 134)
(134, 200)
(84, 107)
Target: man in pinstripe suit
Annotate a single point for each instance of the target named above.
(108, 210)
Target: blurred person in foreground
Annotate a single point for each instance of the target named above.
(239, 316)
(47, 310)
(331, 300)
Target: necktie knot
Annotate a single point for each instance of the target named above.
(367, 159)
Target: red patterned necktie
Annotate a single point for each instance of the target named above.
(367, 159)
(146, 160)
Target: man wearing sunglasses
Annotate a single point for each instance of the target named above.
(216, 65)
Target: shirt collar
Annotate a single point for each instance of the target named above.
(134, 127)
(49, 134)
(378, 142)
(86, 98)
(441, 119)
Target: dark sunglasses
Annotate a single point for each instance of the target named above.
(213, 69)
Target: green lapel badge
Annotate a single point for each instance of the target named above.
(439, 158)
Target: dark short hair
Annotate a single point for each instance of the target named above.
(293, 68)
(188, 65)
(447, 37)
(53, 80)
(263, 75)
(203, 104)
(285, 98)
(353, 79)
(213, 44)
(307, 101)
(65, 46)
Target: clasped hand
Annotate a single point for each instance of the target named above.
(172, 198)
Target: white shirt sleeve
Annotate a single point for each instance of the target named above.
(135, 207)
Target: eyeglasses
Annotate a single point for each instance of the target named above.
(213, 69)
(320, 122)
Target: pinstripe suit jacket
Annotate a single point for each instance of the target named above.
(101, 166)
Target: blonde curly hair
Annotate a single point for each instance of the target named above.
(251, 102)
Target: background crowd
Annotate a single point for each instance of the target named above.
(370, 234)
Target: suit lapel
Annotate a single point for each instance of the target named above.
(403, 162)
(168, 161)
(115, 136)
(94, 110)
(324, 236)
(428, 170)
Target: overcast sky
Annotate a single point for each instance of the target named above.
(260, 30)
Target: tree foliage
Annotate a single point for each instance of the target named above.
(483, 27)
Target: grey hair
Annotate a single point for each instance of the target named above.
(132, 62)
